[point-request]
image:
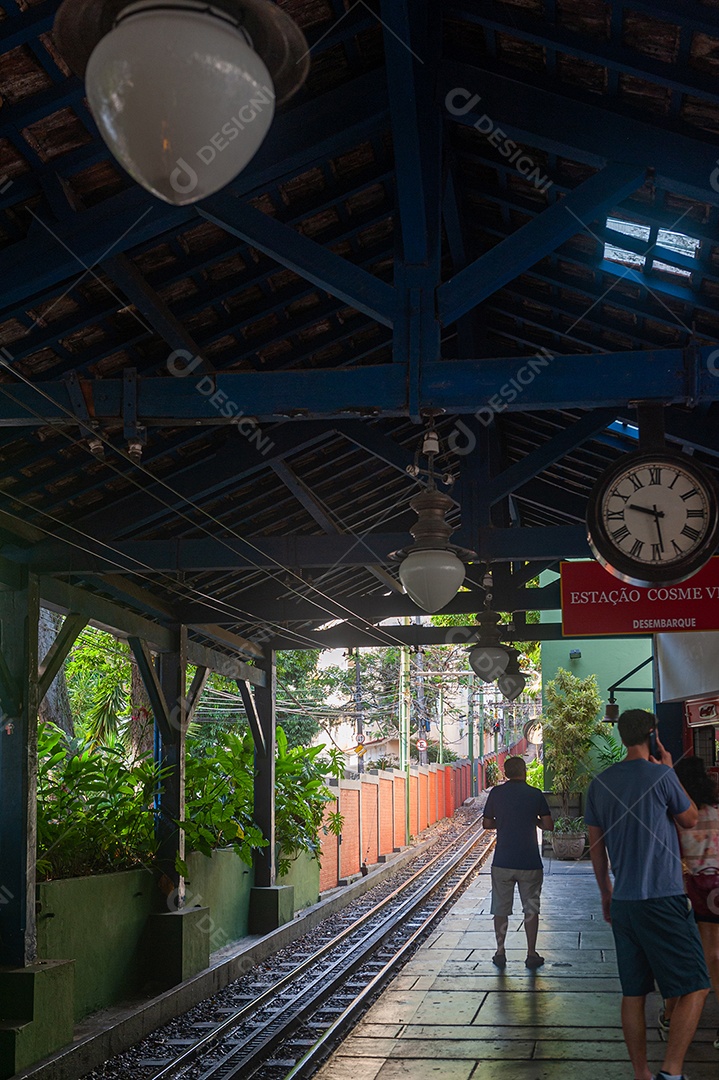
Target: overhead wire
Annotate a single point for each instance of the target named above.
(96, 434)
(230, 608)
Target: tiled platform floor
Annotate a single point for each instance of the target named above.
(451, 1015)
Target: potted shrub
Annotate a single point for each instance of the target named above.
(571, 721)
(569, 838)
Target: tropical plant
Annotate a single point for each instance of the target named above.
(95, 810)
(570, 723)
(570, 826)
(301, 795)
(219, 799)
(535, 774)
(491, 773)
(610, 750)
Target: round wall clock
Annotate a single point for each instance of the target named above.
(653, 518)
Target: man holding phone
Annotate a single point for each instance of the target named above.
(631, 811)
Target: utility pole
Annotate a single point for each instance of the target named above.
(358, 711)
(470, 716)
(404, 724)
(440, 710)
(422, 726)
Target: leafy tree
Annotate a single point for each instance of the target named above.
(570, 722)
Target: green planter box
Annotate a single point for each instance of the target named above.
(101, 922)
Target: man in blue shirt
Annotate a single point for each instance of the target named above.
(631, 812)
(516, 810)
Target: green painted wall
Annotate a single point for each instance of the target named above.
(223, 884)
(607, 658)
(304, 875)
(98, 922)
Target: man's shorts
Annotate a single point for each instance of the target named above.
(530, 888)
(658, 940)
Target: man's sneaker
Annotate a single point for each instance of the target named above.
(663, 1076)
(716, 1042)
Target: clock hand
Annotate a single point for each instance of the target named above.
(645, 510)
(657, 514)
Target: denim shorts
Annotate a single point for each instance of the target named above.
(658, 941)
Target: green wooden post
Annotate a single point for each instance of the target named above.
(19, 615)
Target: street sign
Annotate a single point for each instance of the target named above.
(421, 744)
(360, 750)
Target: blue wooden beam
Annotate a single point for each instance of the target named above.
(554, 450)
(525, 247)
(484, 387)
(590, 134)
(354, 637)
(403, 70)
(612, 54)
(312, 131)
(201, 480)
(305, 257)
(208, 553)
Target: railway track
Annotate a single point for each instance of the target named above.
(288, 1028)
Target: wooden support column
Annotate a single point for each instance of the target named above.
(19, 615)
(172, 673)
(265, 697)
(165, 684)
(271, 904)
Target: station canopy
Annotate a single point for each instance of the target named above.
(501, 215)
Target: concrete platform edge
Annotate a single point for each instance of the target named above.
(112, 1031)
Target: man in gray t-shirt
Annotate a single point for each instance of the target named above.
(631, 811)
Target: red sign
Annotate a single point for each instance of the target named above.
(421, 744)
(595, 603)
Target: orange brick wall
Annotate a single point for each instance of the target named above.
(379, 808)
(413, 807)
(423, 801)
(370, 812)
(329, 865)
(350, 846)
(432, 797)
(399, 824)
(386, 817)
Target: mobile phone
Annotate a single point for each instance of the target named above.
(653, 747)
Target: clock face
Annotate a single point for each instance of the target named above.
(653, 518)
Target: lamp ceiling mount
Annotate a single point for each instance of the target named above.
(81, 24)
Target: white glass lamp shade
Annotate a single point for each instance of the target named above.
(180, 98)
(511, 686)
(431, 578)
(488, 661)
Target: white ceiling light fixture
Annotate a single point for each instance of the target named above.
(489, 659)
(432, 570)
(183, 92)
(512, 682)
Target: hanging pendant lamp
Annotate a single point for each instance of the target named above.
(183, 92)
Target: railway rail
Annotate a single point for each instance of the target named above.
(285, 1031)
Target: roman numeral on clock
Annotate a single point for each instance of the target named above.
(691, 534)
(620, 534)
(689, 494)
(656, 553)
(635, 481)
(636, 549)
(655, 474)
(615, 515)
(695, 513)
